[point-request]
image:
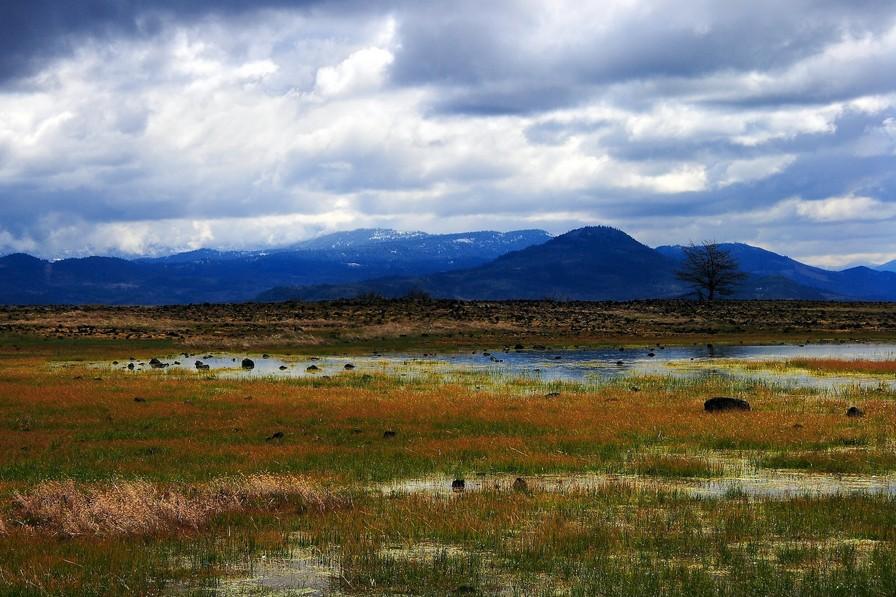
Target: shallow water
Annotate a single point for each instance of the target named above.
(575, 365)
(763, 484)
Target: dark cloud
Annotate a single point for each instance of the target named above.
(34, 31)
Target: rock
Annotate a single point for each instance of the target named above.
(458, 485)
(855, 412)
(389, 434)
(520, 484)
(131, 366)
(725, 403)
(201, 366)
(155, 363)
(348, 367)
(312, 368)
(651, 354)
(265, 356)
(248, 364)
(552, 394)
(114, 362)
(518, 347)
(139, 399)
(620, 363)
(282, 367)
(277, 435)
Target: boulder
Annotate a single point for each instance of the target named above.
(854, 412)
(248, 364)
(725, 403)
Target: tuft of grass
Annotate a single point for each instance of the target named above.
(137, 507)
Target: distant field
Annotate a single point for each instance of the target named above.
(163, 481)
(394, 324)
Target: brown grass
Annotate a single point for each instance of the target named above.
(844, 365)
(142, 508)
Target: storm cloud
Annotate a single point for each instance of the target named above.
(138, 127)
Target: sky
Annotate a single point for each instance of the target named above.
(133, 127)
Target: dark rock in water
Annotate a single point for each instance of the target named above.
(348, 367)
(620, 363)
(282, 367)
(518, 347)
(156, 363)
(458, 485)
(520, 484)
(389, 434)
(265, 356)
(248, 364)
(312, 368)
(855, 412)
(651, 354)
(131, 366)
(539, 347)
(114, 362)
(274, 436)
(201, 366)
(552, 394)
(725, 403)
(139, 399)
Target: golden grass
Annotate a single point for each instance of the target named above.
(844, 365)
(137, 507)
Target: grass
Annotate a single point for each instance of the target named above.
(190, 487)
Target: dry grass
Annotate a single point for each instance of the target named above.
(141, 508)
(844, 366)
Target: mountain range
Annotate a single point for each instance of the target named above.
(591, 263)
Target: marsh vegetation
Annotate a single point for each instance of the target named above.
(166, 480)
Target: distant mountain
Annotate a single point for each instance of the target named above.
(588, 263)
(889, 266)
(601, 263)
(207, 275)
(860, 283)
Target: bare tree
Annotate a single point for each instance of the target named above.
(710, 268)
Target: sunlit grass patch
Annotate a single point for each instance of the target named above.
(138, 507)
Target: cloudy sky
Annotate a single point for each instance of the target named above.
(139, 127)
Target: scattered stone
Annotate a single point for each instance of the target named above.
(520, 485)
(389, 434)
(156, 363)
(277, 435)
(518, 347)
(458, 485)
(114, 362)
(552, 394)
(248, 364)
(855, 412)
(201, 366)
(651, 354)
(725, 403)
(312, 368)
(620, 363)
(139, 399)
(348, 367)
(635, 389)
(265, 356)
(131, 366)
(282, 367)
